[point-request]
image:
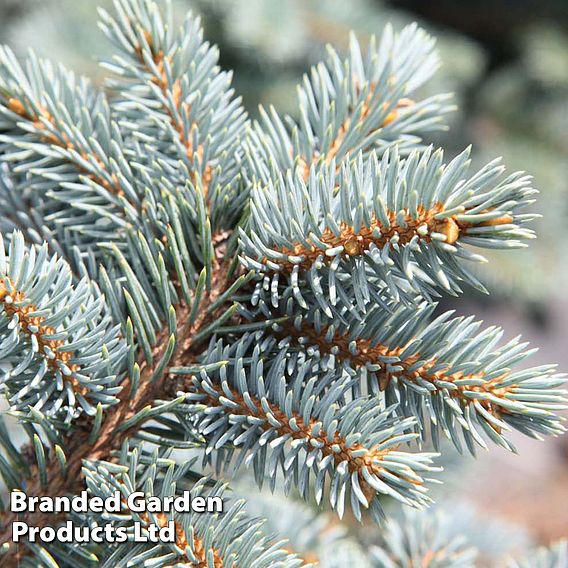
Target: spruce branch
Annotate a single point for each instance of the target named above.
(355, 445)
(444, 371)
(57, 131)
(203, 540)
(63, 349)
(170, 84)
(355, 104)
(393, 226)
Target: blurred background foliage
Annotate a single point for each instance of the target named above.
(507, 64)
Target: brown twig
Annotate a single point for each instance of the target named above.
(423, 224)
(356, 243)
